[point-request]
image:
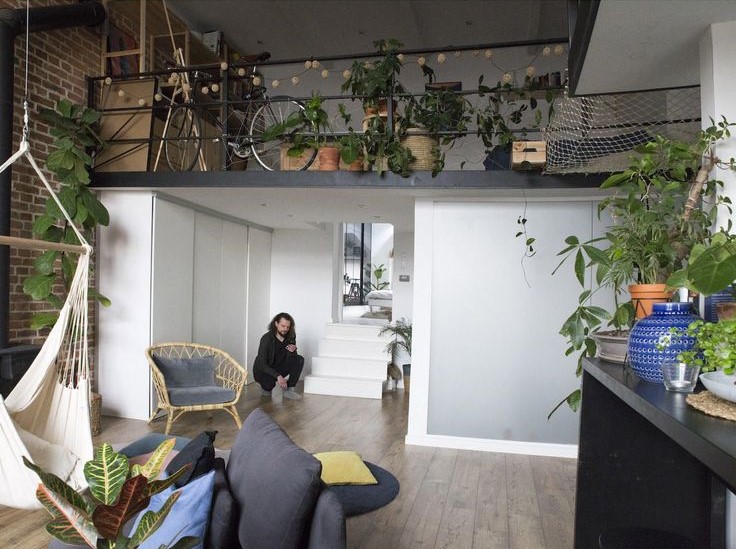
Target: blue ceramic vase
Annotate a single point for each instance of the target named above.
(655, 331)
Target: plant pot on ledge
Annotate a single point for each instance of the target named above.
(329, 158)
(644, 296)
(612, 345)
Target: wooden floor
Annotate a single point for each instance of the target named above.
(448, 499)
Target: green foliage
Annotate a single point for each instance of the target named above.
(383, 149)
(304, 128)
(715, 346)
(73, 129)
(401, 332)
(373, 80)
(378, 272)
(351, 145)
(662, 211)
(117, 492)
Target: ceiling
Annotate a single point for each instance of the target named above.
(648, 44)
(292, 29)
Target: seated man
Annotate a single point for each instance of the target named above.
(277, 359)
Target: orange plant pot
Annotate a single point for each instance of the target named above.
(329, 159)
(643, 296)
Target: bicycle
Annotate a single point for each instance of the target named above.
(183, 129)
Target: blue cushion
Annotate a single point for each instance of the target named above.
(191, 396)
(187, 372)
(188, 516)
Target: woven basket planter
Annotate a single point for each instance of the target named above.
(425, 149)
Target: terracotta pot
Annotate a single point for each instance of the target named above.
(383, 107)
(356, 166)
(643, 296)
(329, 158)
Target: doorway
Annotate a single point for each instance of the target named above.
(367, 260)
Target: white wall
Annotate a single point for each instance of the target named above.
(382, 243)
(301, 284)
(259, 292)
(403, 264)
(482, 336)
(124, 329)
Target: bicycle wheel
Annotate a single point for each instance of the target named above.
(268, 153)
(183, 139)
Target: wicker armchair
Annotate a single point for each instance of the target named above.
(228, 375)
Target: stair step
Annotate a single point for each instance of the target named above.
(354, 331)
(343, 386)
(354, 348)
(349, 367)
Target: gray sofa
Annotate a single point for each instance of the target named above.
(268, 496)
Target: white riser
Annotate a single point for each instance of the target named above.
(353, 348)
(349, 367)
(355, 331)
(340, 386)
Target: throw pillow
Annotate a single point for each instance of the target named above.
(187, 372)
(344, 468)
(274, 482)
(200, 453)
(223, 530)
(187, 517)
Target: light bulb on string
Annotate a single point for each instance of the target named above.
(241, 71)
(257, 80)
(205, 90)
(215, 88)
(507, 78)
(458, 54)
(441, 58)
(307, 64)
(488, 54)
(294, 80)
(530, 70)
(275, 84)
(346, 74)
(559, 49)
(315, 64)
(108, 81)
(546, 50)
(421, 61)
(325, 73)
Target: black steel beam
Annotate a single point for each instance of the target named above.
(581, 15)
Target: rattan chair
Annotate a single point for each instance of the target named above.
(228, 374)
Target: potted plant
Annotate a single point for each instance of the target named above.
(378, 272)
(658, 220)
(118, 491)
(352, 146)
(715, 346)
(384, 149)
(308, 128)
(400, 342)
(375, 81)
(436, 112)
(73, 128)
(499, 121)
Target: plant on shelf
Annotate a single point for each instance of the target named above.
(499, 121)
(73, 128)
(401, 333)
(307, 128)
(439, 115)
(384, 149)
(662, 210)
(352, 145)
(118, 491)
(715, 346)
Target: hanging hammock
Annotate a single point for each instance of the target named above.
(46, 416)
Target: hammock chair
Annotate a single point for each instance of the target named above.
(46, 416)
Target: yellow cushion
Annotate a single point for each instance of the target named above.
(344, 468)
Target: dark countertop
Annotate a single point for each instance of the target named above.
(709, 439)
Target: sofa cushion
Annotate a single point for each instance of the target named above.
(187, 517)
(199, 453)
(192, 396)
(223, 530)
(275, 484)
(187, 372)
(151, 441)
(344, 467)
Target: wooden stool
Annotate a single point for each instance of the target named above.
(643, 538)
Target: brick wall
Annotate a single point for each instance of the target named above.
(59, 62)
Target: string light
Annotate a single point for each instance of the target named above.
(275, 84)
(476, 53)
(223, 66)
(241, 71)
(441, 58)
(215, 88)
(530, 70)
(307, 64)
(488, 54)
(559, 49)
(458, 54)
(546, 51)
(294, 80)
(205, 90)
(325, 73)
(346, 74)
(421, 61)
(315, 64)
(400, 57)
(507, 78)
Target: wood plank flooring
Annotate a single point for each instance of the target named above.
(449, 498)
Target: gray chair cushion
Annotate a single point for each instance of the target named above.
(187, 372)
(150, 442)
(275, 484)
(192, 396)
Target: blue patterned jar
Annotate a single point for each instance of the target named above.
(653, 343)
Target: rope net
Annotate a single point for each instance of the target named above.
(598, 133)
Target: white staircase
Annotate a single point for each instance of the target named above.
(351, 361)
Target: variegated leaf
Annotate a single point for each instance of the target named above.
(155, 486)
(61, 488)
(106, 474)
(62, 530)
(74, 518)
(109, 519)
(151, 521)
(152, 468)
(187, 542)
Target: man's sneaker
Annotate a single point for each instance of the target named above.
(292, 394)
(264, 393)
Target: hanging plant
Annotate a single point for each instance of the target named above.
(73, 129)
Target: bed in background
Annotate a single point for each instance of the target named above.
(380, 298)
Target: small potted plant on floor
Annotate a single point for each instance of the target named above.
(400, 343)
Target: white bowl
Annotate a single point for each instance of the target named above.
(720, 384)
